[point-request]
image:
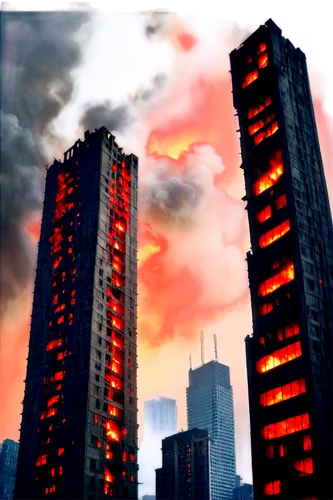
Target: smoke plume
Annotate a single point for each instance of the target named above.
(113, 118)
(39, 54)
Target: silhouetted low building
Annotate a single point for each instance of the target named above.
(243, 492)
(185, 469)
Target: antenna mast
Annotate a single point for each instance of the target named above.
(202, 347)
(190, 362)
(215, 346)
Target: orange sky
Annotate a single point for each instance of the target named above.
(192, 272)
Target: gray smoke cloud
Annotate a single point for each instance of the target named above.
(113, 118)
(158, 22)
(39, 52)
(146, 95)
(176, 200)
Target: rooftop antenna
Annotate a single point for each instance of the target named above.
(190, 362)
(215, 346)
(202, 347)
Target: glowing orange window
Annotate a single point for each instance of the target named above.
(59, 375)
(252, 129)
(95, 418)
(274, 234)
(271, 284)
(304, 466)
(266, 308)
(279, 357)
(286, 427)
(283, 393)
(270, 177)
(264, 214)
(112, 430)
(61, 451)
(53, 400)
(272, 488)
(112, 410)
(53, 344)
(307, 443)
(262, 47)
(281, 202)
(263, 60)
(250, 78)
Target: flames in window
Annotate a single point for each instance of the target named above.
(272, 488)
(283, 393)
(286, 427)
(279, 357)
(274, 234)
(271, 176)
(269, 286)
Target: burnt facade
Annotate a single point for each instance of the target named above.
(289, 355)
(185, 466)
(79, 422)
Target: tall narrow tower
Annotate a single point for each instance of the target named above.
(210, 406)
(289, 355)
(79, 424)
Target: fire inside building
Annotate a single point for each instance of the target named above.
(79, 423)
(289, 355)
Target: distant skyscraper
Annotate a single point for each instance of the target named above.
(79, 423)
(242, 491)
(185, 467)
(210, 406)
(8, 464)
(290, 354)
(160, 416)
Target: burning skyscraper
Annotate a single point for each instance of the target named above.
(289, 355)
(79, 424)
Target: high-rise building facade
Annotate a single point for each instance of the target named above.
(289, 354)
(209, 399)
(160, 416)
(8, 464)
(185, 466)
(79, 423)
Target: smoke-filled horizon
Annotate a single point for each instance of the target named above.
(165, 93)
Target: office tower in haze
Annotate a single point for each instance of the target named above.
(160, 416)
(8, 464)
(209, 399)
(185, 466)
(289, 354)
(79, 424)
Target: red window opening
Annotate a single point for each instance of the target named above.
(112, 410)
(281, 202)
(282, 334)
(262, 48)
(53, 400)
(60, 470)
(264, 214)
(275, 282)
(53, 344)
(272, 488)
(41, 460)
(59, 375)
(95, 418)
(61, 451)
(270, 130)
(112, 430)
(283, 393)
(274, 234)
(279, 357)
(258, 109)
(283, 450)
(263, 61)
(286, 427)
(304, 466)
(250, 78)
(266, 308)
(271, 176)
(60, 320)
(307, 443)
(270, 452)
(252, 129)
(99, 444)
